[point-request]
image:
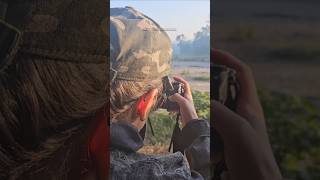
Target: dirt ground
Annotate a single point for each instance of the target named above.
(192, 72)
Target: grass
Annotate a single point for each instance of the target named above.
(201, 78)
(185, 73)
(192, 58)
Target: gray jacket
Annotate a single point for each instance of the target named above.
(127, 163)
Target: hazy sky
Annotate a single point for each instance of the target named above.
(183, 16)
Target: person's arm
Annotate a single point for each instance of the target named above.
(196, 137)
(195, 134)
(247, 148)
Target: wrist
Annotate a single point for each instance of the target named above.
(185, 123)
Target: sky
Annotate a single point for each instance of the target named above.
(177, 16)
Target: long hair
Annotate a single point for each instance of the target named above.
(44, 106)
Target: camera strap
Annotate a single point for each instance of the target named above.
(113, 74)
(143, 131)
(175, 137)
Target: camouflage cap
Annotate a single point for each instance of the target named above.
(139, 48)
(66, 30)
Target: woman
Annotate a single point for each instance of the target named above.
(141, 57)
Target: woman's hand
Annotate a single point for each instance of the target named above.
(247, 150)
(187, 110)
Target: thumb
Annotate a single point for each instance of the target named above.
(224, 118)
(177, 98)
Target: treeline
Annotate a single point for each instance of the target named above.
(196, 48)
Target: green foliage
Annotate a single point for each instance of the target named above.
(163, 122)
(201, 78)
(294, 130)
(202, 104)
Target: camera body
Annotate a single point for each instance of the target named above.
(171, 87)
(225, 86)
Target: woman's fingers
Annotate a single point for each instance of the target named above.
(187, 89)
(187, 110)
(248, 102)
(227, 59)
(244, 73)
(225, 121)
(177, 98)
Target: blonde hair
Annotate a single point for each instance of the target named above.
(125, 93)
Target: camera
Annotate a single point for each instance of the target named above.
(225, 90)
(225, 86)
(171, 87)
